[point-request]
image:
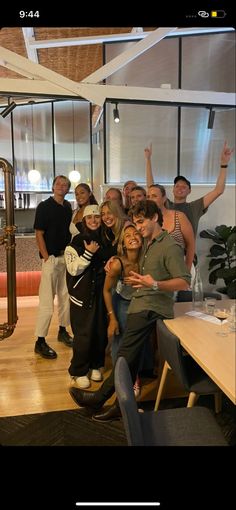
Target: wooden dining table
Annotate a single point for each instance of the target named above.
(215, 354)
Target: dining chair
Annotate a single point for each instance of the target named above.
(195, 381)
(170, 427)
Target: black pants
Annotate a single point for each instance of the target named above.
(89, 326)
(139, 327)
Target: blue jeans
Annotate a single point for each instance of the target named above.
(120, 307)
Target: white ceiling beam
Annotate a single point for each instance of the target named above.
(179, 96)
(128, 55)
(28, 34)
(121, 92)
(34, 71)
(88, 40)
(28, 87)
(131, 36)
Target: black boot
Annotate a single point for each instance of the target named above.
(110, 414)
(42, 348)
(63, 336)
(85, 398)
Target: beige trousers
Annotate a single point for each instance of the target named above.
(53, 282)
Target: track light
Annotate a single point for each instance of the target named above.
(8, 109)
(211, 119)
(116, 114)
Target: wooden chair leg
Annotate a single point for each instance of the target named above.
(192, 399)
(165, 370)
(218, 402)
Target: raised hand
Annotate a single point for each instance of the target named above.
(226, 154)
(148, 151)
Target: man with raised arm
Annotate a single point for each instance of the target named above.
(182, 188)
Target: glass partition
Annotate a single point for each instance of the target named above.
(39, 155)
(181, 144)
(139, 126)
(156, 66)
(201, 147)
(72, 140)
(33, 147)
(208, 62)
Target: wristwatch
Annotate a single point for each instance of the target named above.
(155, 286)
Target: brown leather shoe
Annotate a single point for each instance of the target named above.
(109, 414)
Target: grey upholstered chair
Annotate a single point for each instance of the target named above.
(171, 427)
(195, 381)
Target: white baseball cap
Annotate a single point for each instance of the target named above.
(91, 209)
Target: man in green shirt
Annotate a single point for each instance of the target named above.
(162, 271)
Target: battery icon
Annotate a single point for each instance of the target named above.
(218, 14)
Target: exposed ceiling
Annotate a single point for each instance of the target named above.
(73, 61)
(72, 64)
(80, 52)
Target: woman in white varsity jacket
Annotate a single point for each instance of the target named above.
(85, 259)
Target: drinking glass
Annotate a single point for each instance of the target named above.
(221, 314)
(210, 305)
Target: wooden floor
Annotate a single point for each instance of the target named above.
(30, 384)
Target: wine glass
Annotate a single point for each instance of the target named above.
(221, 314)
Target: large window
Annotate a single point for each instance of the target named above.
(33, 146)
(139, 126)
(201, 147)
(156, 66)
(37, 147)
(72, 138)
(209, 62)
(182, 142)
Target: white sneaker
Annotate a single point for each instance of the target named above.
(96, 375)
(82, 382)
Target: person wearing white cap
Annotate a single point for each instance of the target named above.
(85, 259)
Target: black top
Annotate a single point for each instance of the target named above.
(54, 219)
(88, 283)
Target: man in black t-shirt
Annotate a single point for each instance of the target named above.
(52, 220)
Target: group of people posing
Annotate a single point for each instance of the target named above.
(147, 244)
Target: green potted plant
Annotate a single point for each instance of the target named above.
(223, 257)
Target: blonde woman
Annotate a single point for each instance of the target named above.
(126, 260)
(113, 219)
(117, 294)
